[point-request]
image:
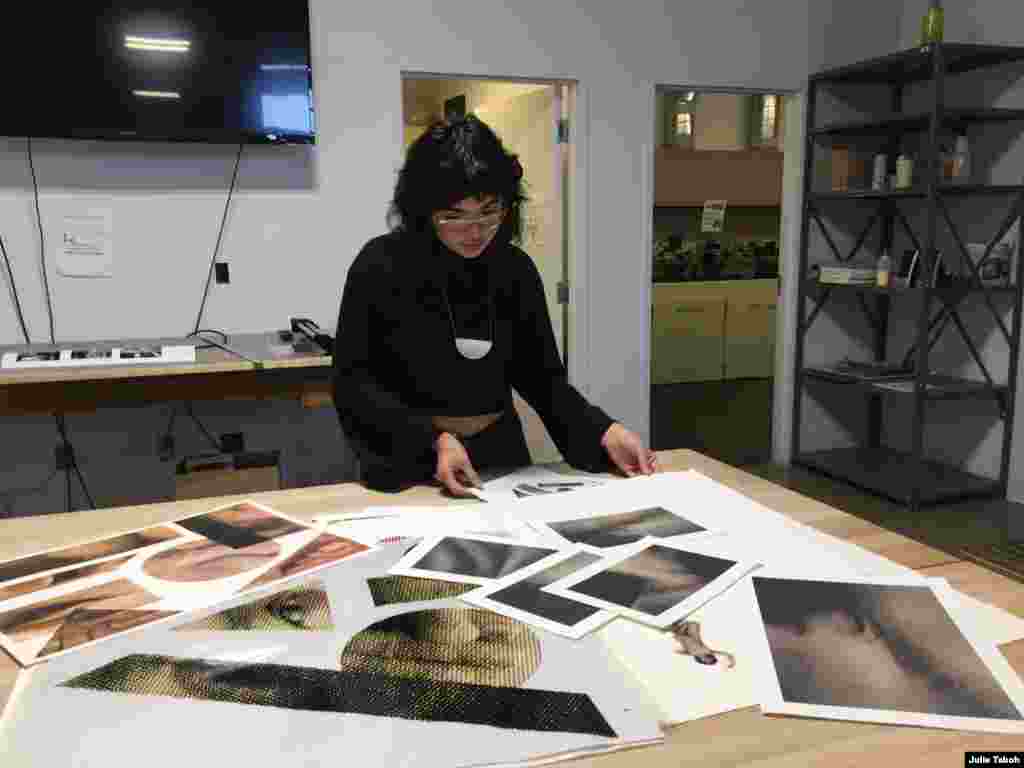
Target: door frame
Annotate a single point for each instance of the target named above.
(575, 207)
(789, 243)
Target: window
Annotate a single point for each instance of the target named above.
(765, 119)
(769, 117)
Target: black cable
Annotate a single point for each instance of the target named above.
(223, 336)
(42, 242)
(14, 290)
(67, 486)
(220, 235)
(62, 429)
(202, 427)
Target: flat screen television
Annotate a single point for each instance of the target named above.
(159, 70)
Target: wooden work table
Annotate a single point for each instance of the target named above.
(216, 374)
(743, 737)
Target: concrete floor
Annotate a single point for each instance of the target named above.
(985, 530)
(731, 421)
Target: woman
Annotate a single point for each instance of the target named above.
(443, 317)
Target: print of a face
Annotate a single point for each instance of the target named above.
(469, 239)
(455, 645)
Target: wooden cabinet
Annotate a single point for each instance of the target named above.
(686, 177)
(714, 330)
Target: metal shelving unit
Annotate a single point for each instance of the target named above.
(910, 477)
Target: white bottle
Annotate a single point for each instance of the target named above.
(878, 177)
(962, 160)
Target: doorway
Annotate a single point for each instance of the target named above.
(717, 230)
(532, 118)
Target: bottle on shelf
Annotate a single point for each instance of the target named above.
(882, 270)
(962, 161)
(904, 171)
(932, 23)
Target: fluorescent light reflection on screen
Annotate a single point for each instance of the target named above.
(157, 94)
(156, 44)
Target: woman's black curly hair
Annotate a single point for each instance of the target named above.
(450, 162)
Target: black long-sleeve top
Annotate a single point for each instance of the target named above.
(396, 365)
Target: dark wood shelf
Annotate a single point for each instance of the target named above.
(894, 474)
(916, 63)
(918, 122)
(938, 387)
(911, 193)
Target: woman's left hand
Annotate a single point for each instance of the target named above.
(627, 451)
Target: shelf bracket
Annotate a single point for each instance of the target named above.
(955, 316)
(907, 228)
(1014, 214)
(818, 305)
(965, 257)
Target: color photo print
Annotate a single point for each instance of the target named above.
(656, 582)
(61, 600)
(470, 559)
(302, 608)
(520, 596)
(882, 652)
(615, 530)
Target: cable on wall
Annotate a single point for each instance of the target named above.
(62, 430)
(220, 236)
(14, 291)
(42, 241)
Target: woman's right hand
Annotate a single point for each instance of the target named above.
(454, 469)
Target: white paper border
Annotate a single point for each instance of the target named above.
(405, 566)
(740, 567)
(482, 598)
(772, 701)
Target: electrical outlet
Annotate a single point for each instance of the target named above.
(220, 273)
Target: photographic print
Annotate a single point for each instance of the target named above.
(615, 530)
(69, 620)
(881, 652)
(80, 554)
(502, 484)
(656, 583)
(386, 590)
(305, 608)
(328, 690)
(324, 550)
(241, 525)
(206, 560)
(475, 560)
(61, 578)
(521, 597)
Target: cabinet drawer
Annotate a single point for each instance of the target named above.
(686, 340)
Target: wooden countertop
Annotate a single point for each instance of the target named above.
(257, 346)
(744, 737)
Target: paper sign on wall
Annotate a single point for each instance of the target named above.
(713, 217)
(85, 247)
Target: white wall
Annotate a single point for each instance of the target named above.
(301, 216)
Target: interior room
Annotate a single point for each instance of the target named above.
(705, 375)
(715, 284)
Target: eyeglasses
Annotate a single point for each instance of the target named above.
(456, 223)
